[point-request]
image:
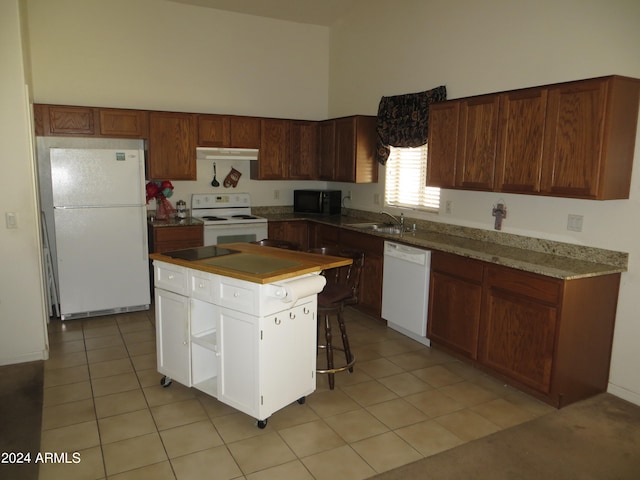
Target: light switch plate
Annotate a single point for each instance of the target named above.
(11, 219)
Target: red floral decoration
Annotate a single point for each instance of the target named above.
(159, 189)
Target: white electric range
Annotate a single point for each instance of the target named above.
(227, 218)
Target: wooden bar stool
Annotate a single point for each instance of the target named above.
(341, 290)
(268, 242)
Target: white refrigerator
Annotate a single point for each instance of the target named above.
(100, 223)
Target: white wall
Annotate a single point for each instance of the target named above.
(22, 309)
(472, 47)
(162, 55)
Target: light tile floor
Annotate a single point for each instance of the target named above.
(403, 402)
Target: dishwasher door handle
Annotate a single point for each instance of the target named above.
(408, 254)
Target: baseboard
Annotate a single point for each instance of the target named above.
(624, 394)
(27, 357)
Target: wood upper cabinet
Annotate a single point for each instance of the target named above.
(455, 298)
(65, 120)
(574, 139)
(477, 142)
(590, 138)
(273, 158)
(245, 132)
(228, 131)
(327, 150)
(172, 146)
(122, 123)
(303, 150)
(521, 133)
(355, 146)
(214, 131)
(444, 118)
(89, 121)
(346, 152)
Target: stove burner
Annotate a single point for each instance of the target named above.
(245, 217)
(214, 219)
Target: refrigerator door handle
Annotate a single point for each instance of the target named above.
(145, 239)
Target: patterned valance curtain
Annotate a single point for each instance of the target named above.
(403, 120)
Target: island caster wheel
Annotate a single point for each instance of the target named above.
(301, 400)
(262, 423)
(165, 381)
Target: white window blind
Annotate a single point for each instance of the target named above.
(405, 180)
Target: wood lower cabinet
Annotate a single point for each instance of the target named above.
(455, 298)
(321, 235)
(172, 146)
(549, 337)
(167, 238)
(519, 326)
(296, 231)
(370, 290)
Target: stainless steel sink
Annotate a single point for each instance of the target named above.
(377, 227)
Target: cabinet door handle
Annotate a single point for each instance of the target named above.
(305, 310)
(277, 321)
(170, 277)
(201, 285)
(236, 294)
(292, 315)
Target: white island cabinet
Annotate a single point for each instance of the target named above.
(248, 344)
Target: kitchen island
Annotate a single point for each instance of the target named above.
(238, 322)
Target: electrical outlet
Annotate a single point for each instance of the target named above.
(574, 222)
(448, 207)
(276, 194)
(376, 199)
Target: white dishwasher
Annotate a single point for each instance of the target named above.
(405, 290)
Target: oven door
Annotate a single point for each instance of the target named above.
(247, 232)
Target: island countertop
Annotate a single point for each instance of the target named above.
(271, 264)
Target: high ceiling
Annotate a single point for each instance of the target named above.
(316, 12)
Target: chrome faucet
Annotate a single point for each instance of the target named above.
(395, 219)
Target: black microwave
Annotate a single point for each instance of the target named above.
(321, 202)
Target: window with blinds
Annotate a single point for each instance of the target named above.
(405, 180)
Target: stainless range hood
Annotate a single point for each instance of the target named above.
(214, 153)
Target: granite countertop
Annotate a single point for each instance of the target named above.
(175, 222)
(553, 259)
